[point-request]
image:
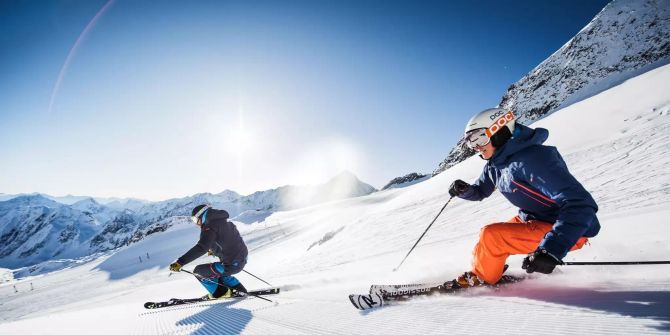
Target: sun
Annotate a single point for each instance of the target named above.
(240, 140)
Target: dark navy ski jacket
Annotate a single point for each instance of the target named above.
(219, 235)
(534, 178)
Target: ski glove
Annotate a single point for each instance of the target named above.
(540, 261)
(176, 267)
(458, 187)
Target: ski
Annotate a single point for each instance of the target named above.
(405, 287)
(380, 295)
(400, 287)
(236, 295)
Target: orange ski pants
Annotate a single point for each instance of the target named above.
(498, 241)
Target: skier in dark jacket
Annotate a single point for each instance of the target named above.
(218, 237)
(556, 214)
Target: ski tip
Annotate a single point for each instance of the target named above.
(366, 301)
(353, 299)
(149, 305)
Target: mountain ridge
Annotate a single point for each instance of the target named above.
(35, 228)
(624, 40)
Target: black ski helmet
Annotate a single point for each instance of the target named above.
(198, 210)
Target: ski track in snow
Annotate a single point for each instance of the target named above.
(319, 255)
(434, 315)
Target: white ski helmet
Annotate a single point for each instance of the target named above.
(493, 120)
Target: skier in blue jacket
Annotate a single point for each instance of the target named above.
(218, 237)
(556, 214)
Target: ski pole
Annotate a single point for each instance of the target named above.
(617, 263)
(251, 274)
(424, 233)
(217, 283)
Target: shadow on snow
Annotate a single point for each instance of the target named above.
(653, 305)
(218, 318)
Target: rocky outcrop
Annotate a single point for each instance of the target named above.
(624, 40)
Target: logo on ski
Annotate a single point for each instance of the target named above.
(380, 295)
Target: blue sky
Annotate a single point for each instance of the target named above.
(162, 99)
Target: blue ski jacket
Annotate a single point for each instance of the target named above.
(535, 178)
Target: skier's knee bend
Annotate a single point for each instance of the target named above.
(205, 271)
(489, 232)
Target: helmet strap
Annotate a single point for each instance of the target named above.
(501, 137)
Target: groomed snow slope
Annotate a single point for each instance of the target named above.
(616, 143)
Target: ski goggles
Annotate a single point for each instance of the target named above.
(197, 215)
(477, 138)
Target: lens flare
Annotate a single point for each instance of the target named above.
(73, 52)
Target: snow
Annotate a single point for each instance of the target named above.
(6, 275)
(320, 254)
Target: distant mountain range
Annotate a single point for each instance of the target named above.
(35, 227)
(71, 199)
(625, 39)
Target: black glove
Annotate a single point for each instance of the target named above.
(540, 261)
(176, 267)
(458, 187)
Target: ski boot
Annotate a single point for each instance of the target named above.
(239, 290)
(222, 292)
(226, 295)
(470, 279)
(466, 280)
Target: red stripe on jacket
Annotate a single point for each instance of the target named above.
(534, 193)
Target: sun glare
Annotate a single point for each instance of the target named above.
(324, 160)
(240, 139)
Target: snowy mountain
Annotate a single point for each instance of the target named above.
(126, 203)
(625, 39)
(344, 185)
(68, 199)
(98, 211)
(407, 180)
(35, 229)
(320, 254)
(116, 203)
